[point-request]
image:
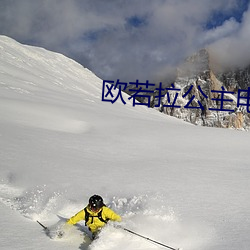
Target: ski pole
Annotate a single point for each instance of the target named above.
(45, 228)
(146, 238)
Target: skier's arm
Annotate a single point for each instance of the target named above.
(77, 217)
(110, 214)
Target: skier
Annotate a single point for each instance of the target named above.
(95, 214)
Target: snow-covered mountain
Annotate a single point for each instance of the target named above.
(201, 105)
(182, 185)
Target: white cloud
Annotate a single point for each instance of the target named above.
(233, 49)
(228, 28)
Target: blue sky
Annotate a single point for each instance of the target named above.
(132, 39)
(218, 17)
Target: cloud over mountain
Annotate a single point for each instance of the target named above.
(129, 39)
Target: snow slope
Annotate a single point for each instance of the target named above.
(179, 184)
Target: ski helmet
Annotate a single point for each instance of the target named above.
(95, 202)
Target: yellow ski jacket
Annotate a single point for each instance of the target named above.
(94, 223)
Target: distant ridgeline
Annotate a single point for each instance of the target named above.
(204, 95)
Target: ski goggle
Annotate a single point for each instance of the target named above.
(94, 208)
